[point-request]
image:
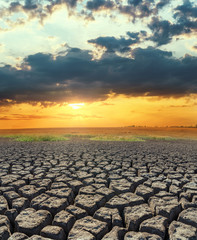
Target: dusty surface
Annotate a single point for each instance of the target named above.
(98, 190)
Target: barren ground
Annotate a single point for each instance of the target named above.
(88, 190)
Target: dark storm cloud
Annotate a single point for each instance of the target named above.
(30, 4)
(76, 76)
(39, 9)
(113, 44)
(137, 9)
(97, 4)
(164, 30)
(186, 10)
(185, 23)
(162, 4)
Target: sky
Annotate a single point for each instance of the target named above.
(98, 63)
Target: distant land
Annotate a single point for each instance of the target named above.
(172, 131)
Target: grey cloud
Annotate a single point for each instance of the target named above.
(97, 4)
(30, 4)
(186, 10)
(139, 9)
(162, 4)
(35, 8)
(76, 76)
(113, 44)
(163, 30)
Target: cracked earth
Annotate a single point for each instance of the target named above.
(88, 190)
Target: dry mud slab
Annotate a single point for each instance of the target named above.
(98, 190)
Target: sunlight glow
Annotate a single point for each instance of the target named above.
(76, 105)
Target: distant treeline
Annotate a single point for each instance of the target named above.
(184, 126)
(181, 126)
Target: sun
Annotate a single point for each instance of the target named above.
(76, 105)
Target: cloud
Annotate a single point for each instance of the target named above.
(75, 76)
(185, 22)
(23, 117)
(63, 116)
(164, 30)
(40, 9)
(33, 9)
(162, 3)
(186, 10)
(95, 5)
(195, 47)
(137, 9)
(113, 44)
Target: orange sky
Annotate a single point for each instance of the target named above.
(74, 54)
(116, 111)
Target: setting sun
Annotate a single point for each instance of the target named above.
(76, 105)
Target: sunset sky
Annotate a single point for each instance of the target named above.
(98, 63)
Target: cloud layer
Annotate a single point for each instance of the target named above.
(151, 72)
(162, 30)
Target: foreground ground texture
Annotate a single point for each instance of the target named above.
(98, 190)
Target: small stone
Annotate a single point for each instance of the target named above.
(90, 202)
(168, 207)
(18, 236)
(191, 193)
(58, 185)
(30, 191)
(141, 236)
(117, 202)
(89, 224)
(156, 225)
(20, 203)
(46, 183)
(35, 202)
(75, 185)
(4, 221)
(136, 181)
(6, 189)
(175, 190)
(76, 234)
(11, 214)
(168, 211)
(159, 186)
(109, 215)
(189, 216)
(132, 199)
(187, 204)
(30, 221)
(121, 186)
(179, 230)
(10, 196)
(117, 233)
(65, 220)
(4, 233)
(37, 237)
(89, 190)
(62, 193)
(54, 205)
(19, 183)
(134, 216)
(108, 193)
(144, 191)
(76, 211)
(3, 205)
(53, 232)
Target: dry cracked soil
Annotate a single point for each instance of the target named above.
(88, 190)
